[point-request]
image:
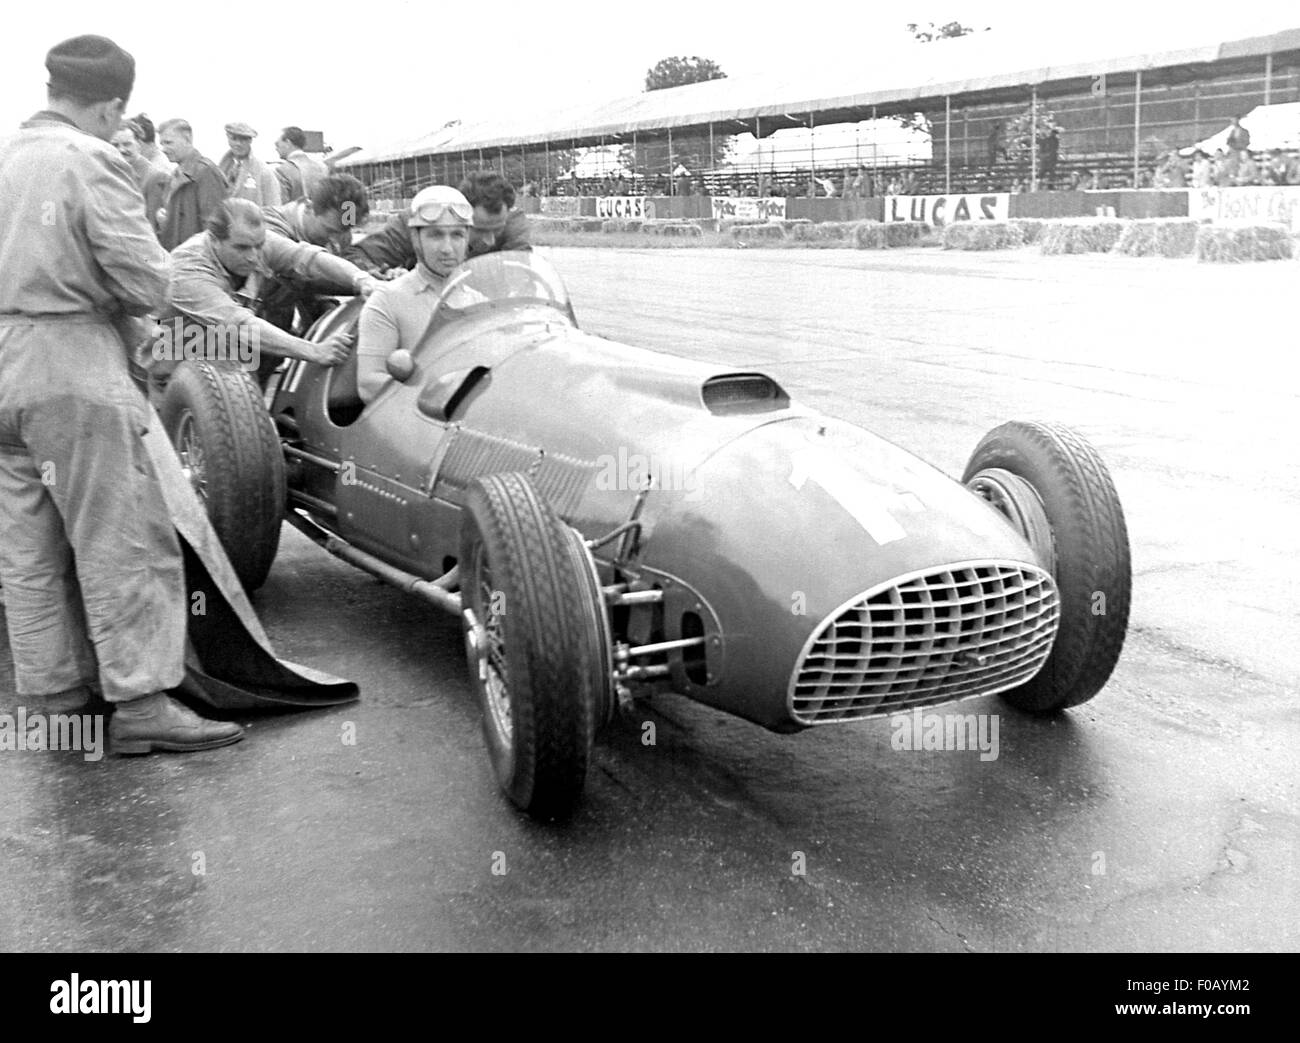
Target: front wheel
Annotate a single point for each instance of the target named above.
(231, 454)
(538, 658)
(1053, 487)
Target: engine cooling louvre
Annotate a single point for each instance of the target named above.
(928, 637)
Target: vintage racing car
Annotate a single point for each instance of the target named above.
(608, 521)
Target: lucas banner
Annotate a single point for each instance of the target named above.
(1279, 205)
(942, 210)
(622, 206)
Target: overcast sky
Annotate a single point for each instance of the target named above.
(371, 72)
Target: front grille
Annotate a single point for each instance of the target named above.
(931, 637)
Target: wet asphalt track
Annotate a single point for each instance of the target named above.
(1160, 816)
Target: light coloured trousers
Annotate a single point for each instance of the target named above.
(93, 578)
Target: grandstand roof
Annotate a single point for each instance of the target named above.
(981, 66)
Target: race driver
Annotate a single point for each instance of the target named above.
(439, 225)
(496, 227)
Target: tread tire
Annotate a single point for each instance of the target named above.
(551, 650)
(243, 466)
(1092, 556)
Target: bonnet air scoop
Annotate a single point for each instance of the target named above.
(731, 393)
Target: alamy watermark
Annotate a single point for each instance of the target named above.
(177, 340)
(39, 732)
(948, 731)
(635, 472)
(72, 995)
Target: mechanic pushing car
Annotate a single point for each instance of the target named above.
(216, 279)
(497, 226)
(439, 226)
(325, 218)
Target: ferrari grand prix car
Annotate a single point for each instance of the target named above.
(609, 521)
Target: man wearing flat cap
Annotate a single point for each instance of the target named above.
(90, 562)
(248, 177)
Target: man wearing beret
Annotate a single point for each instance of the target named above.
(196, 187)
(248, 177)
(90, 562)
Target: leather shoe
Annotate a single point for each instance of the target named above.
(158, 722)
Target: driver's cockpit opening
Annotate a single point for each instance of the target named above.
(504, 279)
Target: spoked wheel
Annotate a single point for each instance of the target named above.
(231, 454)
(1053, 487)
(190, 450)
(534, 637)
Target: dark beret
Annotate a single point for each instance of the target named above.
(91, 67)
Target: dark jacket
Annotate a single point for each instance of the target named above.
(390, 247)
(196, 189)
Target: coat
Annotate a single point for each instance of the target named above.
(250, 178)
(299, 173)
(196, 189)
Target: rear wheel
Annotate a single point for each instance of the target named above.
(231, 454)
(1053, 487)
(537, 653)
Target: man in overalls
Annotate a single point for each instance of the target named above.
(90, 562)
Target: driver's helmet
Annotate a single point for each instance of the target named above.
(439, 204)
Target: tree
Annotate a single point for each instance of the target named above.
(690, 150)
(679, 71)
(931, 32)
(928, 33)
(1020, 133)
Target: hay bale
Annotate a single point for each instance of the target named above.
(880, 235)
(670, 227)
(767, 231)
(706, 224)
(548, 224)
(1081, 235)
(982, 235)
(586, 224)
(869, 235)
(1159, 237)
(905, 233)
(728, 223)
(1031, 228)
(838, 231)
(825, 232)
(1233, 244)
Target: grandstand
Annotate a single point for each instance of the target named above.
(1117, 114)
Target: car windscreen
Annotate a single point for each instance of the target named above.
(504, 278)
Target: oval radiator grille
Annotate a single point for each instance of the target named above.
(931, 637)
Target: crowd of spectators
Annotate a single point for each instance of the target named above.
(182, 188)
(1233, 165)
(1226, 168)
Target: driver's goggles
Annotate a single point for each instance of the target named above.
(433, 210)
